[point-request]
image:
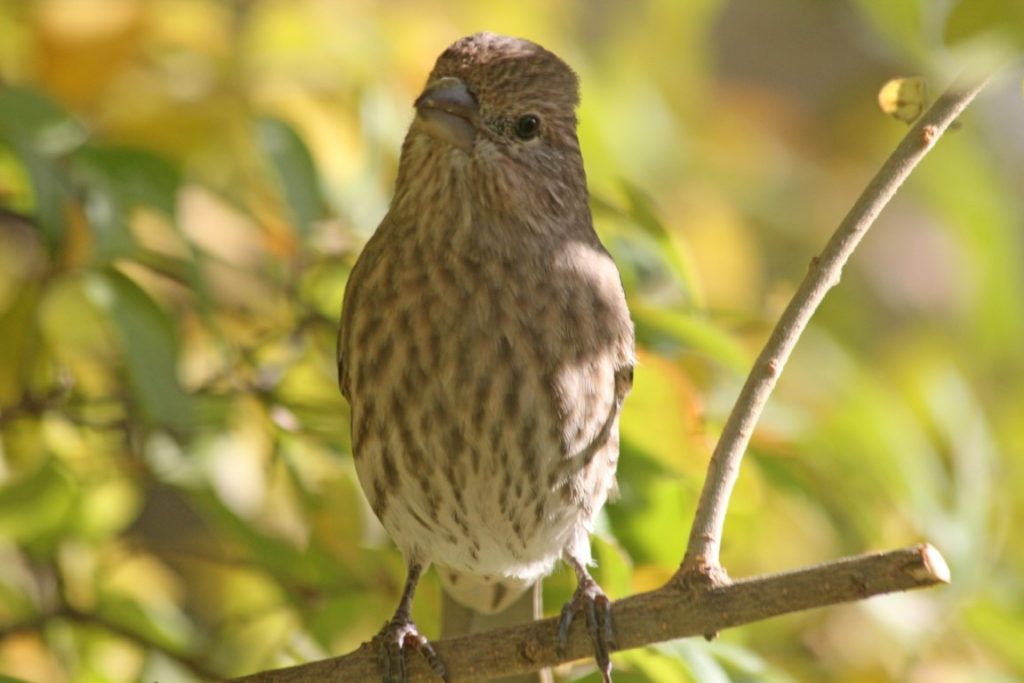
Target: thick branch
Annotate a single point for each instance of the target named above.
(676, 610)
(702, 552)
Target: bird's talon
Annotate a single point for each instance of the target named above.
(398, 636)
(564, 622)
(597, 610)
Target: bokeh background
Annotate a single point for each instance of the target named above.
(185, 184)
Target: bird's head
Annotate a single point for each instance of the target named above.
(501, 111)
(494, 91)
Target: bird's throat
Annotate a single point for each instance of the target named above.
(447, 127)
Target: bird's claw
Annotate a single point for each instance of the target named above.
(398, 636)
(597, 610)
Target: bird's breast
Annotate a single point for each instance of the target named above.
(471, 378)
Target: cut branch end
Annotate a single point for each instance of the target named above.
(933, 565)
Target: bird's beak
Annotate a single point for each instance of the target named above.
(448, 112)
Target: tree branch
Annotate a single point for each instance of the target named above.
(702, 552)
(674, 611)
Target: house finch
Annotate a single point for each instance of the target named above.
(486, 348)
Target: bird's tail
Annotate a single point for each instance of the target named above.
(457, 620)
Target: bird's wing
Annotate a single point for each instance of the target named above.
(357, 278)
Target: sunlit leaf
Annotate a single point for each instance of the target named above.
(702, 665)
(642, 211)
(1001, 623)
(29, 120)
(649, 518)
(670, 332)
(19, 344)
(661, 417)
(280, 557)
(139, 177)
(337, 518)
(37, 505)
(182, 270)
(904, 99)
(746, 664)
(52, 194)
(40, 131)
(295, 171)
(107, 508)
(11, 679)
(113, 182)
(162, 624)
(651, 665)
(149, 345)
(106, 216)
(344, 612)
(903, 23)
(615, 570)
(975, 18)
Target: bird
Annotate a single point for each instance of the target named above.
(485, 348)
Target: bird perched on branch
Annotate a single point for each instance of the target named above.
(486, 349)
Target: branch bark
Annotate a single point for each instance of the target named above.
(702, 551)
(676, 610)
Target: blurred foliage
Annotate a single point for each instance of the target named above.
(184, 185)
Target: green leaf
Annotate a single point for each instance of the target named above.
(746, 664)
(614, 569)
(901, 22)
(295, 170)
(999, 621)
(698, 660)
(667, 331)
(114, 181)
(106, 508)
(51, 196)
(36, 505)
(11, 679)
(149, 346)
(31, 120)
(107, 218)
(163, 625)
(649, 665)
(136, 176)
(643, 213)
(19, 343)
(972, 19)
(40, 132)
(119, 179)
(646, 518)
(904, 99)
(184, 270)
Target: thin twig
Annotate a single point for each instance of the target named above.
(702, 553)
(667, 613)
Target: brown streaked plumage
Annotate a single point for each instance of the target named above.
(485, 344)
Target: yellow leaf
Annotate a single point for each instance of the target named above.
(904, 98)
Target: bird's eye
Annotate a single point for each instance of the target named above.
(527, 127)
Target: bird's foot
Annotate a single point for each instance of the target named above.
(397, 637)
(597, 610)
